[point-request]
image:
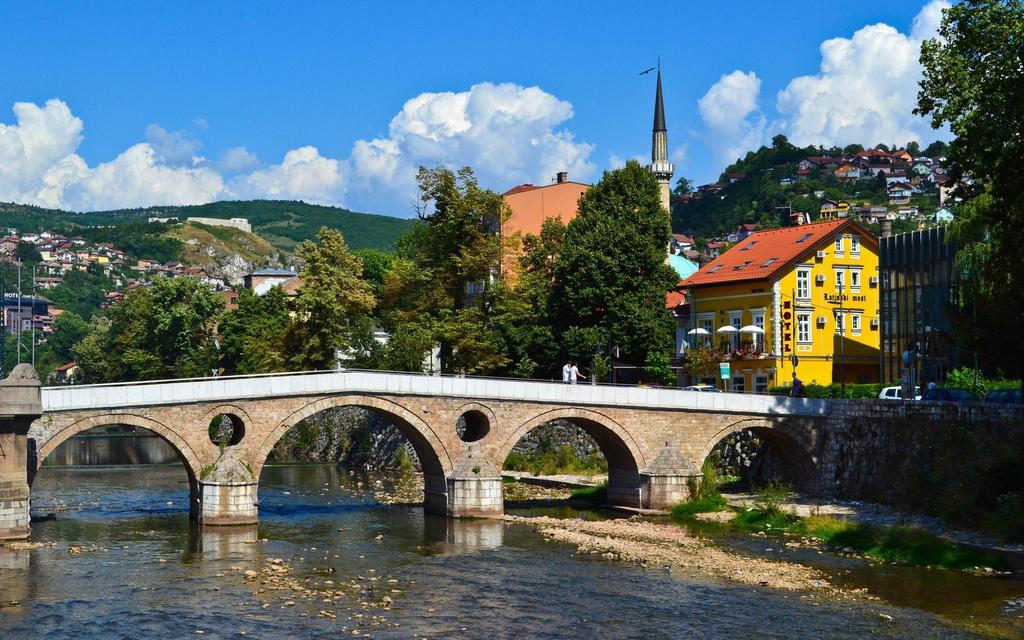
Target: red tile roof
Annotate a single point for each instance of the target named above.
(675, 298)
(766, 253)
(682, 238)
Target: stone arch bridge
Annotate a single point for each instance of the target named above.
(655, 440)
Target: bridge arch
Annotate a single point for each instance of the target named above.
(44, 446)
(623, 454)
(433, 455)
(791, 443)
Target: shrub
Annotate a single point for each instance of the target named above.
(770, 497)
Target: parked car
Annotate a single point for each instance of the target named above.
(947, 394)
(705, 388)
(1003, 396)
(896, 393)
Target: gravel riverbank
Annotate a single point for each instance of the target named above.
(651, 544)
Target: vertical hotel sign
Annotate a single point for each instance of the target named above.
(787, 326)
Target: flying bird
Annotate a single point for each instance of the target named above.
(648, 71)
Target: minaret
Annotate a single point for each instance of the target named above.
(660, 166)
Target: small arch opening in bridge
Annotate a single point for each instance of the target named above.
(119, 467)
(226, 430)
(584, 448)
(754, 456)
(367, 454)
(473, 425)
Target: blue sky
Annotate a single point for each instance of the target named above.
(128, 104)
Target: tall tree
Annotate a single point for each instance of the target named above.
(252, 335)
(166, 330)
(611, 275)
(973, 83)
(445, 282)
(333, 304)
(68, 329)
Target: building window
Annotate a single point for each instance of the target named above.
(758, 340)
(803, 327)
(854, 280)
(803, 284)
(840, 324)
(738, 384)
(854, 245)
(840, 279)
(839, 245)
(760, 384)
(855, 324)
(736, 320)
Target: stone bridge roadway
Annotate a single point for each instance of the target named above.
(654, 439)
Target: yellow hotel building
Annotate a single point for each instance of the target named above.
(804, 295)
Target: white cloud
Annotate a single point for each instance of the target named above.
(237, 160)
(734, 122)
(865, 89)
(173, 148)
(508, 133)
(304, 174)
(138, 178)
(38, 151)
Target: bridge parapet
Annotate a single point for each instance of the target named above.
(235, 388)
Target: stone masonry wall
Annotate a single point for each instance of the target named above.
(921, 455)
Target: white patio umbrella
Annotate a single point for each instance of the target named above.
(727, 329)
(699, 331)
(752, 329)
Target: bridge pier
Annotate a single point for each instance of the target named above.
(474, 489)
(669, 479)
(227, 493)
(20, 404)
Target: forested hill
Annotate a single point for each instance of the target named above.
(755, 189)
(283, 223)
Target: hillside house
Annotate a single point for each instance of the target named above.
(847, 171)
(899, 193)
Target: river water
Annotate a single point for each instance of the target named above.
(144, 572)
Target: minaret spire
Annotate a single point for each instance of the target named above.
(660, 166)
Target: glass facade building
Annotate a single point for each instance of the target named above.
(918, 283)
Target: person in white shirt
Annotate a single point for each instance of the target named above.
(574, 373)
(566, 369)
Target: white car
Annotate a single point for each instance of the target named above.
(705, 388)
(896, 393)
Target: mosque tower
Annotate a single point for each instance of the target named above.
(660, 166)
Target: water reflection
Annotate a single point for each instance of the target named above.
(145, 571)
(231, 544)
(447, 535)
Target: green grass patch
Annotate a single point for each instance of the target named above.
(597, 493)
(897, 545)
(757, 520)
(709, 504)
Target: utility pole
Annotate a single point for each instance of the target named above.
(32, 315)
(18, 328)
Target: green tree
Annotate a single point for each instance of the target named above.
(252, 335)
(333, 304)
(972, 83)
(445, 282)
(853, 149)
(684, 187)
(166, 330)
(27, 252)
(913, 148)
(68, 329)
(610, 277)
(936, 149)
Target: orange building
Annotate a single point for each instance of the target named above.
(531, 205)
